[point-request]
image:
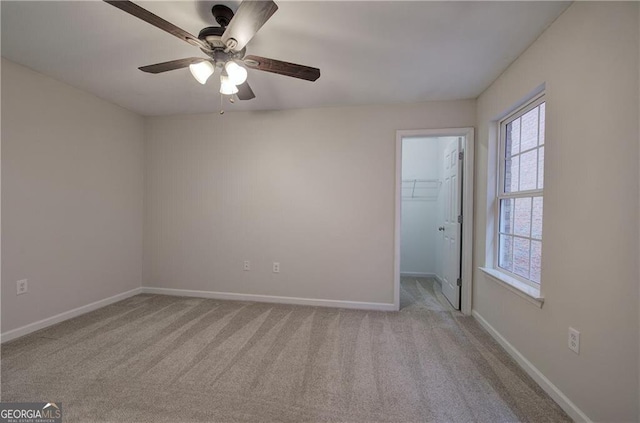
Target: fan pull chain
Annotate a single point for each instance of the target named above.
(221, 107)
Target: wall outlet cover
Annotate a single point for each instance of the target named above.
(22, 287)
(574, 340)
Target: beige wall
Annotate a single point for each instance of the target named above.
(312, 189)
(588, 60)
(72, 197)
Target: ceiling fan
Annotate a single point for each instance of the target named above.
(225, 45)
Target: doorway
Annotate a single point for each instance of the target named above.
(434, 206)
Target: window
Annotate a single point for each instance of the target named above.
(520, 193)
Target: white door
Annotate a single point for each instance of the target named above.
(452, 226)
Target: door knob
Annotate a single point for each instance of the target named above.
(441, 228)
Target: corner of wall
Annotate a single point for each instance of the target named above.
(639, 202)
(145, 200)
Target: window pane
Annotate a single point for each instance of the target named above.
(536, 218)
(541, 168)
(542, 122)
(506, 252)
(536, 260)
(529, 132)
(522, 216)
(506, 216)
(521, 257)
(511, 171)
(528, 170)
(512, 145)
(519, 242)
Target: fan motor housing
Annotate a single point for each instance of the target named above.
(213, 36)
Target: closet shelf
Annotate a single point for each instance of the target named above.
(420, 189)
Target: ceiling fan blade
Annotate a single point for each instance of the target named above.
(145, 15)
(282, 68)
(249, 18)
(172, 65)
(245, 92)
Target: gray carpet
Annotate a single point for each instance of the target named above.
(154, 358)
(418, 294)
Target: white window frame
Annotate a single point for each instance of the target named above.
(500, 188)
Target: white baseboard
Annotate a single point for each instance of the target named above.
(41, 324)
(439, 280)
(270, 299)
(563, 401)
(418, 274)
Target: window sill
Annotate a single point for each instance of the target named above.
(525, 291)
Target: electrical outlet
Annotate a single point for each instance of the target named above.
(276, 267)
(574, 340)
(21, 287)
(246, 266)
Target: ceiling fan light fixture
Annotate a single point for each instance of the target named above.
(237, 74)
(201, 71)
(227, 87)
(225, 45)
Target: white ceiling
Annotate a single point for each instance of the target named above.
(369, 52)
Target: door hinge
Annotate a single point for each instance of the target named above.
(461, 155)
(460, 219)
(459, 282)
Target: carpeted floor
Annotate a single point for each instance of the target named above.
(155, 358)
(418, 294)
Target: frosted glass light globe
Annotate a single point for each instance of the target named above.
(202, 71)
(226, 86)
(237, 74)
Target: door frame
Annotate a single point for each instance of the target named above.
(467, 208)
